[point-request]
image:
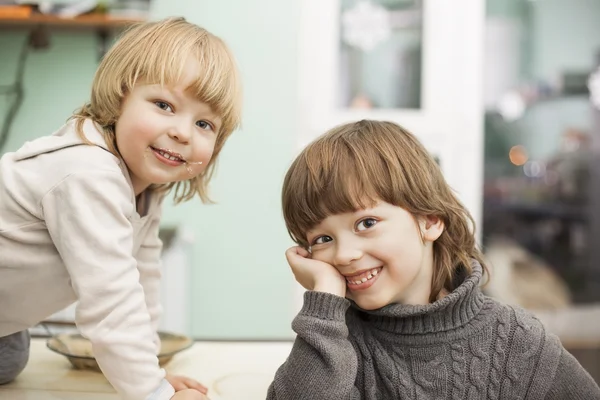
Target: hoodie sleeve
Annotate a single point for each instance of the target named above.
(149, 266)
(88, 217)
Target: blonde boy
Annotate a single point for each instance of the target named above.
(80, 209)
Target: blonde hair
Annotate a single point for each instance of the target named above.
(155, 52)
(353, 166)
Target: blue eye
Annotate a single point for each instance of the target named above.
(322, 239)
(366, 224)
(164, 106)
(204, 125)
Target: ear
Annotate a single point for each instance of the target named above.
(432, 227)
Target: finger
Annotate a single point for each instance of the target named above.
(193, 384)
(290, 254)
(178, 385)
(302, 252)
(295, 253)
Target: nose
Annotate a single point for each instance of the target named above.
(347, 252)
(179, 134)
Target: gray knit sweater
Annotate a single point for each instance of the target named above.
(464, 346)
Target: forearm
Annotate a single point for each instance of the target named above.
(323, 362)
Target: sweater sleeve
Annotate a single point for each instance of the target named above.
(572, 381)
(86, 215)
(323, 363)
(149, 266)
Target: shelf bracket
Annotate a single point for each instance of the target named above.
(103, 42)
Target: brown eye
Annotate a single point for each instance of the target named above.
(163, 106)
(366, 224)
(322, 239)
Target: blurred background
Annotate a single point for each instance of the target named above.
(504, 93)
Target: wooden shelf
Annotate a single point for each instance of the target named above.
(88, 21)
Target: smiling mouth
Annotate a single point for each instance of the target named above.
(363, 277)
(169, 154)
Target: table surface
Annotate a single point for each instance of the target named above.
(231, 371)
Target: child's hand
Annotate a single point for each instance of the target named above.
(189, 394)
(313, 274)
(183, 383)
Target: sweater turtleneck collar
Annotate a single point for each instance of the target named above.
(451, 312)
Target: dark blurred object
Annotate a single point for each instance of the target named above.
(39, 38)
(16, 90)
(167, 235)
(574, 83)
(571, 168)
(545, 203)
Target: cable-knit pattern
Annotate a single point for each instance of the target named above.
(457, 353)
(523, 354)
(478, 347)
(499, 354)
(430, 371)
(377, 378)
(398, 385)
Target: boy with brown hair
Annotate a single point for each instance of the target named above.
(393, 308)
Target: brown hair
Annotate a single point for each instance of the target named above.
(155, 52)
(353, 166)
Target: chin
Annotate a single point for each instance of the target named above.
(163, 180)
(370, 305)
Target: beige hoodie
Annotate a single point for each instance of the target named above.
(69, 231)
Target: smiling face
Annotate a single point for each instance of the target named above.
(196, 74)
(364, 165)
(165, 133)
(384, 253)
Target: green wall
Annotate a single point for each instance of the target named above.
(56, 81)
(242, 284)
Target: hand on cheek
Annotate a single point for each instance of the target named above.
(315, 275)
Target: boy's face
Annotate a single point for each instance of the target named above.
(164, 133)
(384, 253)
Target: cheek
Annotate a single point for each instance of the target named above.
(203, 154)
(137, 130)
(204, 150)
(404, 252)
(144, 130)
